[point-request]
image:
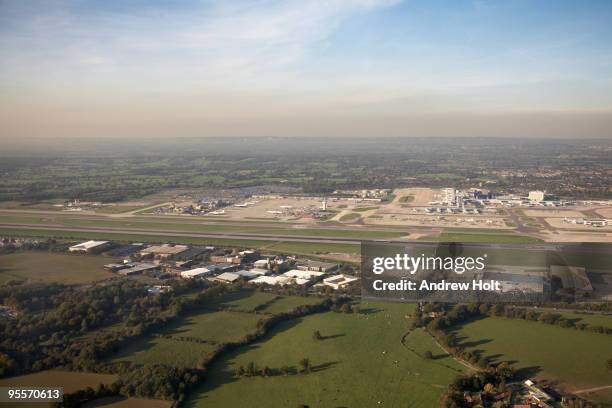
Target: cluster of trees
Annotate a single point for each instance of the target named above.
(485, 384)
(184, 338)
(158, 381)
(513, 312)
(459, 313)
(252, 370)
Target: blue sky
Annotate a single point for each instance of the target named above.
(305, 67)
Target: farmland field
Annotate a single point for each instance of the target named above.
(52, 267)
(592, 319)
(243, 300)
(169, 346)
(346, 372)
(288, 303)
(157, 350)
(217, 327)
(575, 359)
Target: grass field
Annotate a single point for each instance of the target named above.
(218, 327)
(212, 326)
(483, 238)
(350, 217)
(591, 319)
(243, 301)
(196, 225)
(359, 362)
(574, 358)
(52, 267)
(288, 303)
(155, 350)
(362, 209)
(313, 247)
(289, 247)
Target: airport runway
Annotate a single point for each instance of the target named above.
(170, 233)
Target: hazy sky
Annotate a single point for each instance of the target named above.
(328, 67)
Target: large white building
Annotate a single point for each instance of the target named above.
(196, 273)
(297, 273)
(227, 277)
(89, 246)
(316, 266)
(339, 281)
(447, 196)
(272, 280)
(536, 195)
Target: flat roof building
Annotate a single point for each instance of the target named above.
(260, 271)
(139, 268)
(272, 280)
(89, 246)
(196, 273)
(301, 274)
(247, 274)
(227, 277)
(339, 281)
(262, 263)
(164, 250)
(317, 266)
(536, 195)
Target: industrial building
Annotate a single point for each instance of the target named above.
(139, 268)
(90, 247)
(339, 281)
(164, 251)
(317, 266)
(303, 274)
(227, 277)
(536, 196)
(196, 273)
(272, 280)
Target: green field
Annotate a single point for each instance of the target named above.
(483, 238)
(575, 358)
(288, 303)
(293, 247)
(214, 327)
(350, 217)
(217, 327)
(359, 362)
(195, 225)
(592, 319)
(288, 246)
(362, 209)
(53, 267)
(243, 301)
(247, 301)
(155, 350)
